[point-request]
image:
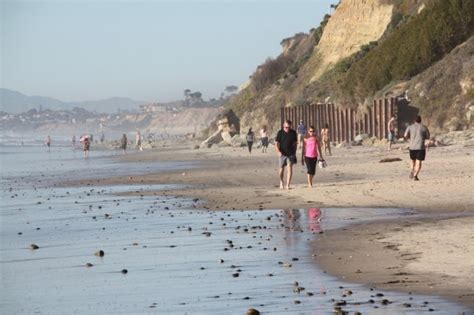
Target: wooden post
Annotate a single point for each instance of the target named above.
(374, 127)
(344, 124)
(381, 128)
(330, 114)
(341, 134)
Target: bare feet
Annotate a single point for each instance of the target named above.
(281, 185)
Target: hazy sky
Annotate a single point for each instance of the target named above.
(146, 50)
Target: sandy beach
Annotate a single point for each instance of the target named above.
(430, 254)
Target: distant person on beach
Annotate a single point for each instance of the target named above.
(326, 139)
(250, 139)
(123, 143)
(48, 142)
(391, 132)
(264, 138)
(86, 145)
(286, 143)
(301, 133)
(138, 141)
(311, 153)
(417, 133)
(73, 142)
(102, 139)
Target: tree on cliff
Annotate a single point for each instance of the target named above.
(186, 93)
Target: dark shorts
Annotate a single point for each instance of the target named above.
(310, 165)
(287, 160)
(391, 136)
(265, 142)
(417, 155)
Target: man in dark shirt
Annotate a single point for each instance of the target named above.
(286, 144)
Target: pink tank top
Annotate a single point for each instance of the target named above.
(311, 147)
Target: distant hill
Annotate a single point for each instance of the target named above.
(16, 102)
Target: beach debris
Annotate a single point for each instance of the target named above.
(124, 271)
(298, 289)
(252, 311)
(99, 253)
(340, 303)
(33, 246)
(385, 302)
(346, 292)
(88, 265)
(388, 160)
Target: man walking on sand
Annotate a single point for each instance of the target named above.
(391, 132)
(417, 133)
(301, 133)
(286, 143)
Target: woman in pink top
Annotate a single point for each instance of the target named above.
(311, 151)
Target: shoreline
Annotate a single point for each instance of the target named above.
(230, 178)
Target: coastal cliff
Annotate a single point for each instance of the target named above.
(368, 49)
(354, 23)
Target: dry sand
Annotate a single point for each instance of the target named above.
(433, 255)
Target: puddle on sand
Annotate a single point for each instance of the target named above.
(179, 259)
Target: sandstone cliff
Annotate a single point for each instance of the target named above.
(354, 23)
(355, 54)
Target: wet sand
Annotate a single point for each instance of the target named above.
(230, 178)
(165, 255)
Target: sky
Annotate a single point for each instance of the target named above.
(145, 50)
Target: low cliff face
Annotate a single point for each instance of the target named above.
(444, 92)
(190, 120)
(354, 23)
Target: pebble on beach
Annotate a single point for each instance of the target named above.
(34, 246)
(99, 253)
(252, 311)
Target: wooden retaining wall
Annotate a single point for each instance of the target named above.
(344, 123)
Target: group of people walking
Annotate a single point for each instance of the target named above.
(250, 138)
(289, 140)
(86, 140)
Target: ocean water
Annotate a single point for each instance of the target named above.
(179, 258)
